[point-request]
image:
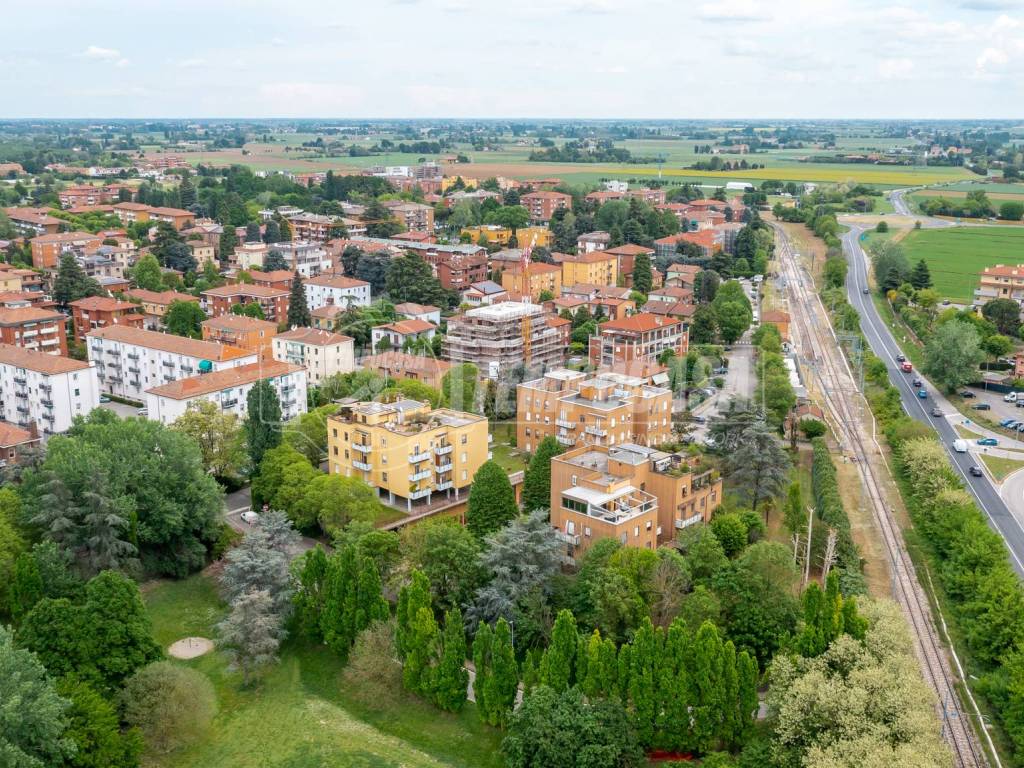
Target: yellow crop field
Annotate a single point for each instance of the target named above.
(809, 172)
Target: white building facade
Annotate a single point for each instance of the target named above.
(336, 290)
(48, 390)
(321, 353)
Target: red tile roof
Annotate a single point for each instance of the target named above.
(39, 361)
(182, 389)
(639, 323)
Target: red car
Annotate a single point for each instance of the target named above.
(906, 367)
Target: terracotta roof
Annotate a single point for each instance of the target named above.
(65, 237)
(540, 268)
(159, 297)
(1001, 270)
(11, 435)
(314, 336)
(328, 311)
(686, 269)
(232, 322)
(205, 383)
(273, 276)
(639, 323)
(335, 281)
(557, 322)
(408, 326)
(242, 289)
(672, 293)
(166, 342)
(163, 211)
(394, 361)
(584, 258)
(546, 194)
(127, 206)
(670, 308)
(629, 249)
(411, 308)
(39, 361)
(20, 315)
(102, 303)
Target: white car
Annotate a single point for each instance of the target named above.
(250, 517)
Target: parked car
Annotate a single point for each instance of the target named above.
(982, 407)
(976, 472)
(720, 370)
(1007, 422)
(988, 441)
(104, 399)
(1010, 397)
(142, 412)
(700, 419)
(967, 394)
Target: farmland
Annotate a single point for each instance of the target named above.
(955, 256)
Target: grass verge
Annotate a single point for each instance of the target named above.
(1001, 467)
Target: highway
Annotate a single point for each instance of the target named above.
(884, 345)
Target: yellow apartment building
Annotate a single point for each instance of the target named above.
(406, 450)
(540, 237)
(637, 495)
(603, 409)
(540, 277)
(594, 268)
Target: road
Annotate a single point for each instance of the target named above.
(884, 346)
(739, 383)
(898, 199)
(835, 382)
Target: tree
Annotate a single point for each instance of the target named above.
(835, 272)
(559, 659)
(171, 705)
(410, 278)
(564, 730)
(26, 586)
(298, 309)
(252, 232)
(952, 355)
(423, 646)
(34, 720)
(889, 263)
(921, 278)
(226, 244)
(492, 502)
(251, 634)
(458, 388)
(177, 256)
(1005, 314)
(71, 283)
(146, 273)
(705, 286)
(704, 327)
(218, 435)
(95, 729)
(997, 345)
(272, 234)
(185, 318)
(1011, 210)
(256, 566)
(502, 682)
(262, 421)
(731, 532)
(537, 482)
(446, 553)
(379, 221)
(452, 678)
(759, 467)
(334, 501)
(642, 278)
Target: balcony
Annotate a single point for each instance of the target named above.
(565, 440)
(568, 538)
(167, 363)
(287, 388)
(231, 403)
(687, 522)
(21, 381)
(287, 405)
(444, 486)
(133, 355)
(187, 369)
(417, 457)
(420, 494)
(47, 388)
(415, 477)
(133, 370)
(443, 450)
(116, 365)
(442, 468)
(96, 351)
(362, 465)
(565, 424)
(47, 403)
(22, 409)
(363, 448)
(596, 431)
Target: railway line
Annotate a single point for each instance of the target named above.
(819, 349)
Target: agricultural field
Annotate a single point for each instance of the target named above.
(955, 256)
(302, 714)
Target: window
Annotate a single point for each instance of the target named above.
(573, 479)
(570, 527)
(648, 525)
(636, 531)
(346, 453)
(586, 531)
(384, 477)
(464, 457)
(573, 505)
(465, 475)
(463, 441)
(335, 450)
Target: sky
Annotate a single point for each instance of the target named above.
(516, 58)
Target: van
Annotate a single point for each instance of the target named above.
(960, 446)
(1010, 397)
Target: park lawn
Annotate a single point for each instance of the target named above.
(302, 715)
(503, 447)
(956, 256)
(1001, 467)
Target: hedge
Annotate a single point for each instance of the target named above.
(830, 511)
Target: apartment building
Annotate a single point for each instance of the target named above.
(407, 451)
(229, 389)
(457, 271)
(272, 301)
(681, 275)
(589, 242)
(634, 494)
(94, 312)
(492, 234)
(402, 365)
(543, 204)
(15, 442)
(281, 279)
(47, 250)
(320, 353)
(413, 311)
(484, 292)
(45, 390)
(156, 303)
(1000, 282)
(203, 253)
(336, 290)
(641, 337)
(709, 242)
(594, 267)
(606, 408)
(395, 335)
(248, 333)
(130, 213)
(30, 222)
(539, 278)
(307, 257)
(415, 217)
(130, 361)
(625, 256)
(33, 328)
(499, 337)
(326, 318)
(311, 226)
(76, 196)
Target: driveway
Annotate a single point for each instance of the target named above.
(122, 410)
(739, 382)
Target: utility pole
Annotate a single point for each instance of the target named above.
(807, 557)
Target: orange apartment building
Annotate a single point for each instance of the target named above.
(281, 279)
(47, 249)
(242, 332)
(1000, 282)
(415, 217)
(540, 277)
(639, 496)
(273, 301)
(311, 226)
(626, 255)
(607, 408)
(34, 221)
(35, 328)
(595, 268)
(642, 337)
(102, 312)
(156, 303)
(130, 213)
(402, 365)
(543, 204)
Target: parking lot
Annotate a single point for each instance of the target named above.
(121, 409)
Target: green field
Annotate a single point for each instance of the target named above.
(303, 715)
(955, 256)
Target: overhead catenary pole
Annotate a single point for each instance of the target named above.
(807, 557)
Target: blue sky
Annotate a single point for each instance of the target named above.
(516, 58)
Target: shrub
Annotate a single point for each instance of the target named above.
(829, 508)
(812, 428)
(171, 705)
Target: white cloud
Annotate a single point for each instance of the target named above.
(103, 54)
(192, 63)
(735, 11)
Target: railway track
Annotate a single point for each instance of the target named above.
(816, 341)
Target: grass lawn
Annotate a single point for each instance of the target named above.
(1000, 467)
(303, 715)
(505, 453)
(964, 432)
(955, 256)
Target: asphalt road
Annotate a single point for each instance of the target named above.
(1000, 517)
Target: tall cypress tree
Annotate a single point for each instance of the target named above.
(419, 674)
(26, 586)
(298, 308)
(482, 664)
(747, 702)
(411, 597)
(492, 502)
(503, 678)
(337, 620)
(227, 243)
(729, 722)
(642, 681)
(309, 597)
(370, 603)
(558, 662)
(452, 676)
(537, 481)
(643, 280)
(673, 691)
(706, 666)
(262, 421)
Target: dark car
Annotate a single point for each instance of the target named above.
(901, 358)
(936, 411)
(918, 383)
(976, 472)
(865, 290)
(967, 394)
(982, 407)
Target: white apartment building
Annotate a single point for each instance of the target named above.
(229, 389)
(309, 259)
(336, 290)
(130, 361)
(45, 389)
(321, 353)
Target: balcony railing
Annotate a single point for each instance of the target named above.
(443, 486)
(47, 403)
(133, 355)
(362, 447)
(442, 468)
(596, 431)
(20, 381)
(230, 403)
(688, 521)
(168, 363)
(47, 388)
(565, 440)
(443, 450)
(133, 370)
(362, 465)
(421, 456)
(22, 409)
(420, 494)
(417, 476)
(568, 538)
(565, 423)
